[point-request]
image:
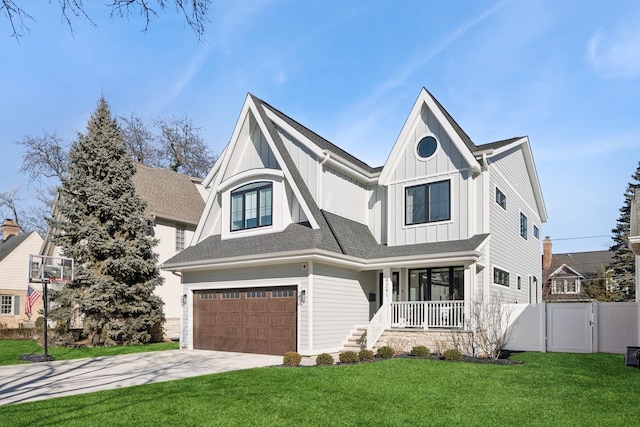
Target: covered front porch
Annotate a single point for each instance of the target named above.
(423, 298)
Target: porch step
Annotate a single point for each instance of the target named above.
(357, 340)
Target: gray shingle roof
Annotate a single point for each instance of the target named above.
(7, 246)
(169, 195)
(586, 263)
(341, 236)
(320, 141)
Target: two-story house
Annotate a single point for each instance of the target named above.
(15, 249)
(300, 242)
(566, 277)
(174, 203)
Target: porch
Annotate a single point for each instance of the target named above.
(424, 315)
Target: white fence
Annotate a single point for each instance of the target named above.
(575, 327)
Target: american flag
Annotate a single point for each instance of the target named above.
(32, 297)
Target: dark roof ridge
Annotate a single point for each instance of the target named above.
(461, 133)
(320, 141)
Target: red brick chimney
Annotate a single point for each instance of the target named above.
(547, 253)
(9, 228)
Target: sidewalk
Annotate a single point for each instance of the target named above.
(45, 380)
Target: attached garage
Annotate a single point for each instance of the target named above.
(255, 320)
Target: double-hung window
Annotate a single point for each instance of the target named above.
(6, 304)
(252, 206)
(427, 203)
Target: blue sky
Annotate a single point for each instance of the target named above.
(565, 73)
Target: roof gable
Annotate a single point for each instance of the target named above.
(8, 246)
(273, 154)
(444, 121)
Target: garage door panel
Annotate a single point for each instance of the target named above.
(246, 320)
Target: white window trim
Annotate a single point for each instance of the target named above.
(281, 217)
(508, 286)
(423, 182)
(526, 231)
(417, 141)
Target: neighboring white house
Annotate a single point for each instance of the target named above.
(300, 242)
(15, 249)
(174, 203)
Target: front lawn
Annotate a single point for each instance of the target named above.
(10, 350)
(548, 389)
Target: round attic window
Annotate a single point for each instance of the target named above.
(427, 146)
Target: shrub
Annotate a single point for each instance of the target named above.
(291, 358)
(365, 355)
(349, 357)
(386, 352)
(324, 359)
(40, 322)
(420, 351)
(452, 354)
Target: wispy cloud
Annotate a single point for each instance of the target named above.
(183, 80)
(369, 110)
(615, 53)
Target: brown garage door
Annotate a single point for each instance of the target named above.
(261, 320)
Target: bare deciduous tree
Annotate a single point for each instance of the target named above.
(195, 12)
(139, 140)
(489, 322)
(181, 147)
(45, 156)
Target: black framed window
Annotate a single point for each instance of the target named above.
(501, 199)
(500, 277)
(523, 225)
(436, 284)
(427, 202)
(252, 206)
(536, 232)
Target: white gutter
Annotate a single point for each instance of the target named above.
(327, 257)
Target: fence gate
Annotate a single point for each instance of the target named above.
(570, 327)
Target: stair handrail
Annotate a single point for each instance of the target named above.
(377, 325)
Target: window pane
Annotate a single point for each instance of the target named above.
(439, 206)
(251, 209)
(458, 283)
(439, 284)
(415, 204)
(236, 211)
(523, 225)
(5, 304)
(265, 206)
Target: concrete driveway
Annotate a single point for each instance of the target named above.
(45, 380)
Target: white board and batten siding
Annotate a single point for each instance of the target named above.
(511, 252)
(253, 152)
(446, 164)
(340, 303)
(293, 274)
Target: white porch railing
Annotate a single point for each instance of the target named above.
(377, 325)
(427, 314)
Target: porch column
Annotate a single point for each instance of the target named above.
(470, 289)
(387, 290)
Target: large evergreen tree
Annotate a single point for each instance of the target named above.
(103, 228)
(623, 264)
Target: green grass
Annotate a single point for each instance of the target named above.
(548, 389)
(10, 350)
